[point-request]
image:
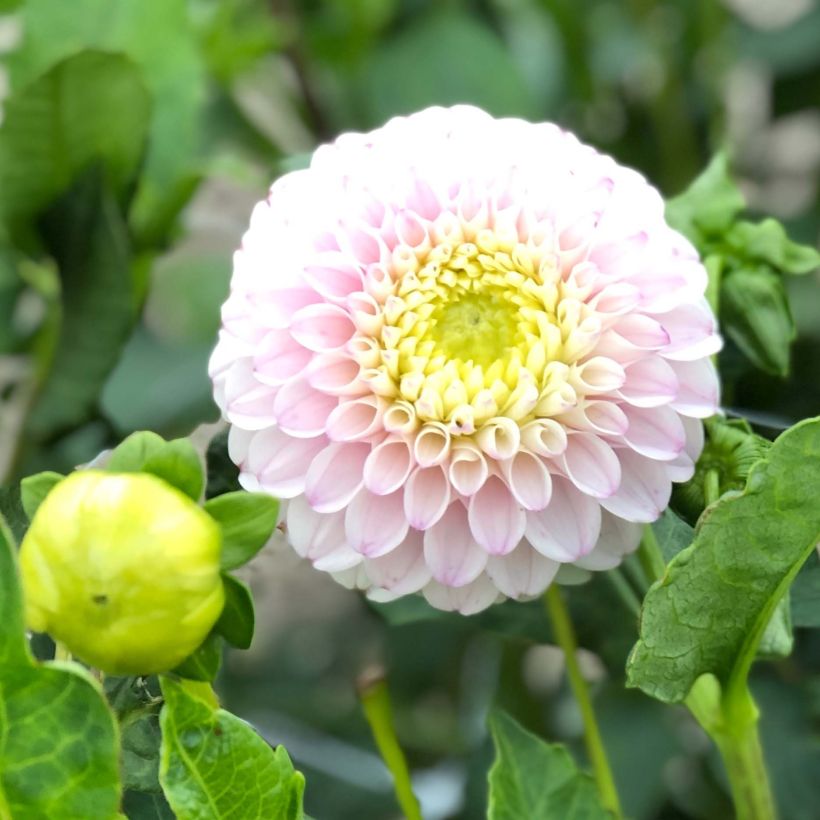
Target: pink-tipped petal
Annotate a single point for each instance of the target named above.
(281, 461)
(402, 570)
(302, 411)
(644, 492)
(496, 519)
(335, 476)
(656, 433)
(524, 573)
(467, 600)
(699, 392)
(528, 479)
(650, 382)
(569, 527)
(375, 524)
(426, 497)
(388, 466)
(591, 465)
(318, 537)
(455, 558)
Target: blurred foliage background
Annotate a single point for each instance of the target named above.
(136, 136)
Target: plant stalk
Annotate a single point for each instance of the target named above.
(564, 634)
(376, 705)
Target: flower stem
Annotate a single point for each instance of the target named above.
(376, 705)
(730, 720)
(625, 592)
(650, 555)
(564, 634)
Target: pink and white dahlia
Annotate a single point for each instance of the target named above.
(469, 351)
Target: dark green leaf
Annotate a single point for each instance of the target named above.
(86, 235)
(215, 764)
(11, 509)
(177, 463)
(766, 242)
(237, 619)
(34, 489)
(90, 108)
(755, 314)
(711, 608)
(223, 474)
(158, 35)
(534, 779)
(204, 663)
(58, 738)
(709, 205)
(247, 521)
(673, 534)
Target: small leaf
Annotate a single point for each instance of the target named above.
(58, 738)
(176, 462)
(133, 452)
(777, 640)
(534, 779)
(766, 242)
(204, 663)
(247, 521)
(709, 205)
(34, 489)
(755, 314)
(214, 764)
(709, 611)
(237, 620)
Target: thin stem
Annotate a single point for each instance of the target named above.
(650, 555)
(564, 634)
(711, 486)
(376, 704)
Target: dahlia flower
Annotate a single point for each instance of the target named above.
(469, 351)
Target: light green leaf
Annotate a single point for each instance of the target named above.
(247, 521)
(58, 738)
(755, 314)
(709, 611)
(534, 779)
(709, 205)
(215, 765)
(91, 107)
(34, 489)
(777, 640)
(236, 622)
(766, 242)
(175, 462)
(86, 235)
(159, 37)
(130, 454)
(203, 664)
(425, 65)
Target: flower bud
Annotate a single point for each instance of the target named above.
(124, 570)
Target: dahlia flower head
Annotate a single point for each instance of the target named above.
(470, 352)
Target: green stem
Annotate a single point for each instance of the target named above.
(624, 590)
(650, 555)
(376, 704)
(731, 721)
(564, 634)
(711, 486)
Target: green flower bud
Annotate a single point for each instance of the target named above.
(122, 569)
(729, 451)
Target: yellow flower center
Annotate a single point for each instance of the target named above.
(479, 328)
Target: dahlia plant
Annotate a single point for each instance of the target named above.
(470, 356)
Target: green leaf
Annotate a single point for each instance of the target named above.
(158, 35)
(86, 235)
(673, 534)
(534, 779)
(755, 314)
(709, 611)
(215, 765)
(204, 663)
(11, 509)
(130, 455)
(766, 242)
(58, 738)
(777, 640)
(176, 462)
(709, 205)
(425, 65)
(247, 521)
(35, 488)
(236, 622)
(89, 108)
